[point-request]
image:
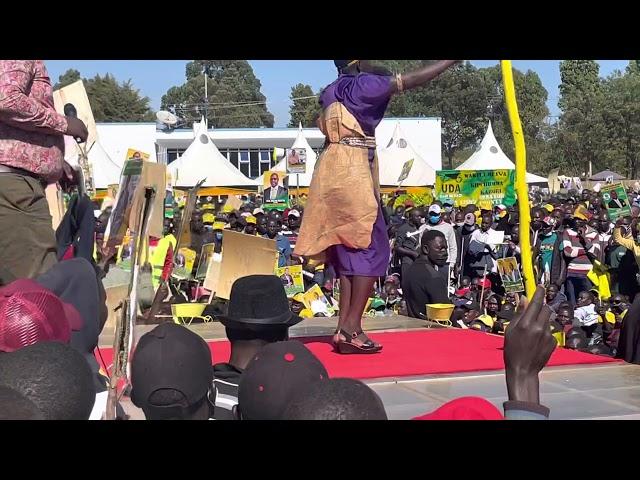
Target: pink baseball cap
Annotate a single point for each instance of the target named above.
(29, 313)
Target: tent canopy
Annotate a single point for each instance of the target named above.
(392, 158)
(606, 174)
(489, 156)
(203, 160)
(304, 178)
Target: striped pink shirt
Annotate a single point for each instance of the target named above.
(31, 131)
(578, 264)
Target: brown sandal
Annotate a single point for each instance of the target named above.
(349, 347)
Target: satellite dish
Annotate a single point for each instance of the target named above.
(167, 118)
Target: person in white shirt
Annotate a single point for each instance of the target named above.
(586, 317)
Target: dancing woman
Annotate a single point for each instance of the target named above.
(343, 217)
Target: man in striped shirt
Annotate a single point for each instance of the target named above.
(580, 247)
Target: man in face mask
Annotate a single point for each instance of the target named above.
(435, 221)
(468, 227)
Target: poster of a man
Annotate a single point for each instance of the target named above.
(274, 191)
(616, 202)
(296, 160)
(133, 154)
(287, 279)
(510, 274)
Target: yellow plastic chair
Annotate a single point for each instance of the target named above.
(183, 311)
(440, 313)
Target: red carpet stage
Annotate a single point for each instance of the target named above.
(412, 353)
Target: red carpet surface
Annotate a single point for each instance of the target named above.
(412, 353)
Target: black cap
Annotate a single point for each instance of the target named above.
(258, 302)
(274, 375)
(340, 64)
(171, 357)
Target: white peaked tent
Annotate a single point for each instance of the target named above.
(491, 157)
(203, 160)
(305, 178)
(392, 158)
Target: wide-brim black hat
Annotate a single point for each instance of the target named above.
(258, 302)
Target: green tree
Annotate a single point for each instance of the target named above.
(459, 97)
(305, 108)
(621, 115)
(233, 95)
(582, 134)
(67, 78)
(111, 101)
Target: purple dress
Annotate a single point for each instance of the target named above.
(366, 97)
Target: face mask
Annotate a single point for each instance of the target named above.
(459, 224)
(434, 219)
(448, 209)
(423, 220)
(218, 236)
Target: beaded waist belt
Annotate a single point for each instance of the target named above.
(361, 142)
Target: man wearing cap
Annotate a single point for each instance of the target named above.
(282, 243)
(580, 247)
(273, 378)
(252, 225)
(551, 268)
(172, 376)
(291, 227)
(258, 314)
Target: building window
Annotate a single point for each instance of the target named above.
(244, 156)
(233, 157)
(174, 153)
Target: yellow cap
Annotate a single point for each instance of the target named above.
(548, 207)
(218, 226)
(299, 297)
(486, 319)
(227, 209)
(208, 218)
(251, 219)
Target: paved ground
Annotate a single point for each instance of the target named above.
(578, 392)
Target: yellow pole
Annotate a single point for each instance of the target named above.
(521, 181)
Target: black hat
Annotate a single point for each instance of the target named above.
(274, 375)
(171, 357)
(505, 315)
(340, 64)
(258, 302)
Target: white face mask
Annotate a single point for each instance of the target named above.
(423, 220)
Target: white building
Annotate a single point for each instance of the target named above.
(250, 149)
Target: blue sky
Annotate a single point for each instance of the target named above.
(154, 77)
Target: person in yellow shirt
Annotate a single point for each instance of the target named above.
(159, 254)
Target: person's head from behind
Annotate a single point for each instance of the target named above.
(465, 282)
(17, 406)
(434, 247)
(53, 376)
(172, 375)
(336, 399)
(273, 377)
(399, 211)
(258, 313)
(585, 298)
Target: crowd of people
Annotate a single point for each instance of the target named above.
(401, 257)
